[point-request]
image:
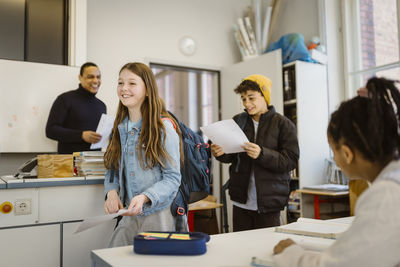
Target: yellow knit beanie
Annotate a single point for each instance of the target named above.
(264, 83)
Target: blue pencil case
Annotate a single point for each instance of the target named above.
(171, 243)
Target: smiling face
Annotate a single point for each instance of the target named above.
(131, 90)
(254, 103)
(91, 79)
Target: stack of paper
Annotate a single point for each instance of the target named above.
(89, 163)
(328, 187)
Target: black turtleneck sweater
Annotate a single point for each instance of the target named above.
(72, 113)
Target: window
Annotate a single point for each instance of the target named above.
(371, 41)
(34, 30)
(190, 94)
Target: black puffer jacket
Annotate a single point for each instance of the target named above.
(276, 135)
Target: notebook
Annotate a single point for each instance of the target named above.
(313, 227)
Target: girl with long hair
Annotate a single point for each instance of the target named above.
(142, 158)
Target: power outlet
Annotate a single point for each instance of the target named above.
(23, 206)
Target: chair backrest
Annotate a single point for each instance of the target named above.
(356, 188)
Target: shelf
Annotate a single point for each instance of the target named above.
(290, 102)
(294, 211)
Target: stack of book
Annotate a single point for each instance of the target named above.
(89, 163)
(252, 31)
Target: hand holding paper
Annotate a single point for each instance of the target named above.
(226, 134)
(93, 221)
(104, 129)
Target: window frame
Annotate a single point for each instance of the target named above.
(352, 42)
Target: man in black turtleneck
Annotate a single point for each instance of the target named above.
(74, 116)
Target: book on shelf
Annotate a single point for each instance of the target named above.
(315, 228)
(289, 84)
(291, 113)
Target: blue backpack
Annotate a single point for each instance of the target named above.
(195, 170)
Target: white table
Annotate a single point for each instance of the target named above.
(223, 250)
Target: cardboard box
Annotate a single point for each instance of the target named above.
(55, 166)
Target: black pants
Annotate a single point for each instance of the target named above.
(244, 219)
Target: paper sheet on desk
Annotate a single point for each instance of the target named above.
(93, 221)
(227, 134)
(104, 129)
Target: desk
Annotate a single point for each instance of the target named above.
(317, 193)
(223, 250)
(200, 205)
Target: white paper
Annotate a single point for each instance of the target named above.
(93, 221)
(226, 134)
(314, 227)
(328, 187)
(104, 129)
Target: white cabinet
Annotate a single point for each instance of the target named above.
(306, 104)
(77, 247)
(46, 237)
(30, 246)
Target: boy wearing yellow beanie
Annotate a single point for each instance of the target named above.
(259, 177)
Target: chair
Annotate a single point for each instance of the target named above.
(206, 220)
(356, 188)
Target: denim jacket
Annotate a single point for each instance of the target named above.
(159, 184)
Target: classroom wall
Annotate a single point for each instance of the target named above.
(129, 30)
(134, 30)
(297, 16)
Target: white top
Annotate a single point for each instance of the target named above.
(251, 203)
(374, 237)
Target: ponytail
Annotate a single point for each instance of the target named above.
(370, 124)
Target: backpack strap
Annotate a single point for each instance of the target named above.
(168, 119)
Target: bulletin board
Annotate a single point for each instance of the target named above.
(27, 92)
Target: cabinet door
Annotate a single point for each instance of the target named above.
(30, 246)
(269, 65)
(77, 247)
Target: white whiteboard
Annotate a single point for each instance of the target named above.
(27, 92)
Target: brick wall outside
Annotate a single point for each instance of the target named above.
(379, 35)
